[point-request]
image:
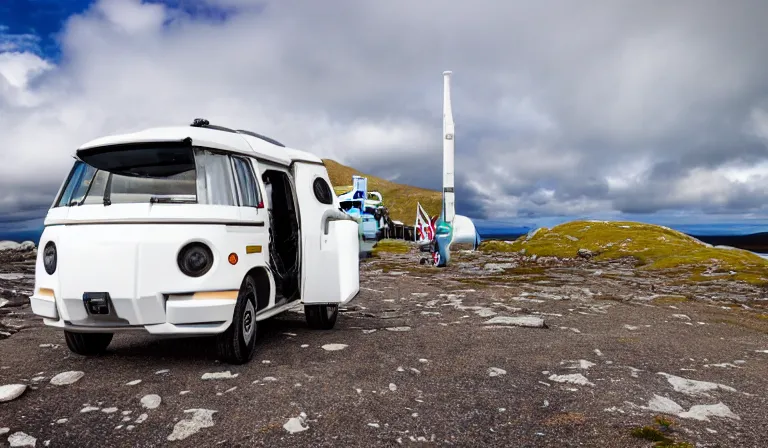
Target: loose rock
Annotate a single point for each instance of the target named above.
(334, 347)
(10, 392)
(219, 375)
(517, 321)
(296, 424)
(20, 439)
(151, 401)
(66, 378)
(200, 418)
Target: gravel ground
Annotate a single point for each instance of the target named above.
(422, 356)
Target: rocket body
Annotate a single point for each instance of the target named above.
(449, 205)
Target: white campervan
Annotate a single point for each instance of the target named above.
(192, 230)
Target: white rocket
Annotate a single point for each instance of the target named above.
(463, 229)
(449, 205)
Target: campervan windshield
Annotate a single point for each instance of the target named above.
(179, 174)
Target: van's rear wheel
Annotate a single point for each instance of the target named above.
(238, 343)
(87, 344)
(321, 317)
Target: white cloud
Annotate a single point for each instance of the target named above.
(559, 108)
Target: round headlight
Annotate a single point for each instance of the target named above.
(49, 258)
(195, 259)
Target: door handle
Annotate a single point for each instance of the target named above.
(335, 215)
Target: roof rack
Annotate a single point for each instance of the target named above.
(203, 123)
(263, 137)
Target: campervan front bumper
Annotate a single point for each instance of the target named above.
(116, 277)
(182, 314)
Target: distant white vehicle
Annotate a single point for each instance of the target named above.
(192, 230)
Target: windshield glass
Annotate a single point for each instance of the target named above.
(148, 175)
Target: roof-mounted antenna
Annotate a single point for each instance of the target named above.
(203, 123)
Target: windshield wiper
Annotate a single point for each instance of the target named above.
(108, 191)
(171, 200)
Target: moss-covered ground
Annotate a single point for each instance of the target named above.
(652, 246)
(391, 246)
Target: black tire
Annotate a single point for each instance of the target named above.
(238, 342)
(87, 344)
(321, 317)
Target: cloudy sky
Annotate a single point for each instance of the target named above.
(562, 108)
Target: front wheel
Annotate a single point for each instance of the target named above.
(321, 317)
(238, 343)
(87, 344)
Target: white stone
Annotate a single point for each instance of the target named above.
(20, 439)
(160, 372)
(151, 401)
(485, 312)
(66, 378)
(142, 418)
(704, 411)
(518, 321)
(574, 378)
(219, 375)
(392, 387)
(61, 421)
(200, 418)
(4, 431)
(693, 387)
(109, 410)
(398, 329)
(495, 371)
(132, 383)
(296, 424)
(334, 347)
(10, 392)
(664, 405)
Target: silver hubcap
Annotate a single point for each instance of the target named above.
(249, 323)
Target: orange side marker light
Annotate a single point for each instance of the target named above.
(232, 258)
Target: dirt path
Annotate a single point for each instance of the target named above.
(423, 356)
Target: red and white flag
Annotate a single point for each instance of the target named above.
(425, 229)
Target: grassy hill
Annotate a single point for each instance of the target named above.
(400, 199)
(654, 247)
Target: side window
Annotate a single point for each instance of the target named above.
(322, 191)
(214, 178)
(246, 181)
(77, 185)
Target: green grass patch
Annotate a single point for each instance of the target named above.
(662, 434)
(391, 246)
(653, 247)
(669, 300)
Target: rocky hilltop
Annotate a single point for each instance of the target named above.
(587, 334)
